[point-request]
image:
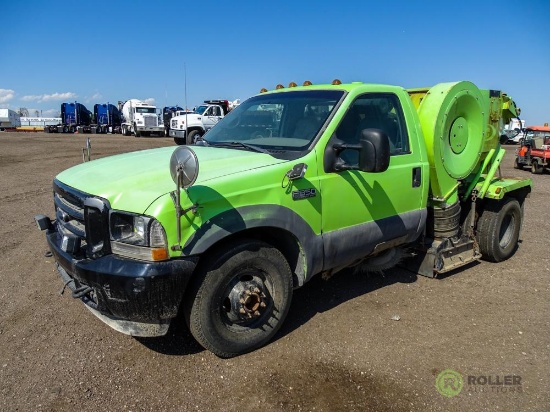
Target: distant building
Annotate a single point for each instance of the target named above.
(9, 119)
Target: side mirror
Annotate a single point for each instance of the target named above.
(374, 155)
(184, 167)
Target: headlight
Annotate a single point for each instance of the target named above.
(140, 121)
(137, 236)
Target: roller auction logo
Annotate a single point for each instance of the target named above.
(449, 383)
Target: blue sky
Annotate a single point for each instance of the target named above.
(104, 51)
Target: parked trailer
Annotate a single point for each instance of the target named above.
(9, 120)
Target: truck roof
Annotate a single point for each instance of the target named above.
(539, 128)
(335, 85)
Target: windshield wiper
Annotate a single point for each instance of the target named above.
(239, 145)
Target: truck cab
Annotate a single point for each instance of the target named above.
(188, 127)
(140, 119)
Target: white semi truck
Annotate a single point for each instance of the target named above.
(140, 119)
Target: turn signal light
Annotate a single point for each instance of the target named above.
(159, 254)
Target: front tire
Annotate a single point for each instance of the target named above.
(192, 136)
(517, 164)
(136, 131)
(240, 299)
(498, 229)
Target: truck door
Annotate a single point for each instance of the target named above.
(364, 213)
(211, 116)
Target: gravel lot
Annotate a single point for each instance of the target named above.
(339, 348)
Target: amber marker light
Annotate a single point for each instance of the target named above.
(159, 254)
(264, 90)
(279, 86)
(336, 82)
(292, 84)
(307, 83)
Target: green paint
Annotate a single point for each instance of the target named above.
(451, 139)
(458, 136)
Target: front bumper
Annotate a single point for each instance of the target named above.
(151, 129)
(137, 298)
(177, 133)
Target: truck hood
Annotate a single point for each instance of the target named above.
(190, 118)
(132, 181)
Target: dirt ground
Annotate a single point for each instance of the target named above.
(339, 348)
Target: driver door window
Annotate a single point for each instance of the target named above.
(375, 111)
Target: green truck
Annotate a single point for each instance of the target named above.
(294, 182)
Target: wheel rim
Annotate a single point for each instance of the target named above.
(507, 229)
(246, 301)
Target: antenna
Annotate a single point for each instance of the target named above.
(185, 97)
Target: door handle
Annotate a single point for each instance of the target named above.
(416, 177)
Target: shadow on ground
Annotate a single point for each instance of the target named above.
(317, 296)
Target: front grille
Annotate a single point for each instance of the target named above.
(69, 211)
(84, 216)
(150, 121)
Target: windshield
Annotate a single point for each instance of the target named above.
(200, 109)
(145, 110)
(279, 121)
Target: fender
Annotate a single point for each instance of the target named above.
(238, 220)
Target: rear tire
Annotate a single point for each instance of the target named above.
(240, 299)
(179, 140)
(498, 229)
